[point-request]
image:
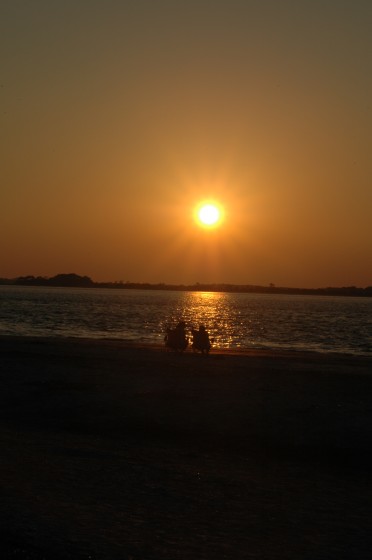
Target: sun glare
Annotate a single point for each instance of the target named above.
(208, 214)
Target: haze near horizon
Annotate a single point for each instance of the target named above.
(120, 119)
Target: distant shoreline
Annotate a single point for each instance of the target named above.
(76, 281)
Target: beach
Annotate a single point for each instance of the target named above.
(113, 450)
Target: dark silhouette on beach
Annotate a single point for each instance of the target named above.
(200, 340)
(176, 338)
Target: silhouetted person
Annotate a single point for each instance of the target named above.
(200, 340)
(176, 339)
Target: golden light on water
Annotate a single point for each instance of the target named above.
(213, 310)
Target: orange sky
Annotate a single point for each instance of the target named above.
(117, 118)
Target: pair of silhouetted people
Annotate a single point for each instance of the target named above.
(176, 339)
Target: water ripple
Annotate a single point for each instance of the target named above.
(240, 321)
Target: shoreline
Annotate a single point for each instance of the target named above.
(113, 451)
(158, 347)
(86, 283)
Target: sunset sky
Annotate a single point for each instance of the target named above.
(119, 117)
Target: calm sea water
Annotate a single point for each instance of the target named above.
(235, 321)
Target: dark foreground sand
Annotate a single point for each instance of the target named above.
(110, 451)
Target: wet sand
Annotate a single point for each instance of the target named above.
(116, 451)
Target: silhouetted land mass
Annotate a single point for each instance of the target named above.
(72, 280)
(64, 280)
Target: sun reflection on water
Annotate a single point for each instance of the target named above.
(233, 320)
(212, 309)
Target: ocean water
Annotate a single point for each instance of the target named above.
(234, 321)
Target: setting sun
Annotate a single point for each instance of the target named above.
(208, 214)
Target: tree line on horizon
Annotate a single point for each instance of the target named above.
(72, 280)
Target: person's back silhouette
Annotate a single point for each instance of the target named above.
(201, 340)
(176, 338)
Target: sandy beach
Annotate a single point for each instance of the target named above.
(116, 451)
